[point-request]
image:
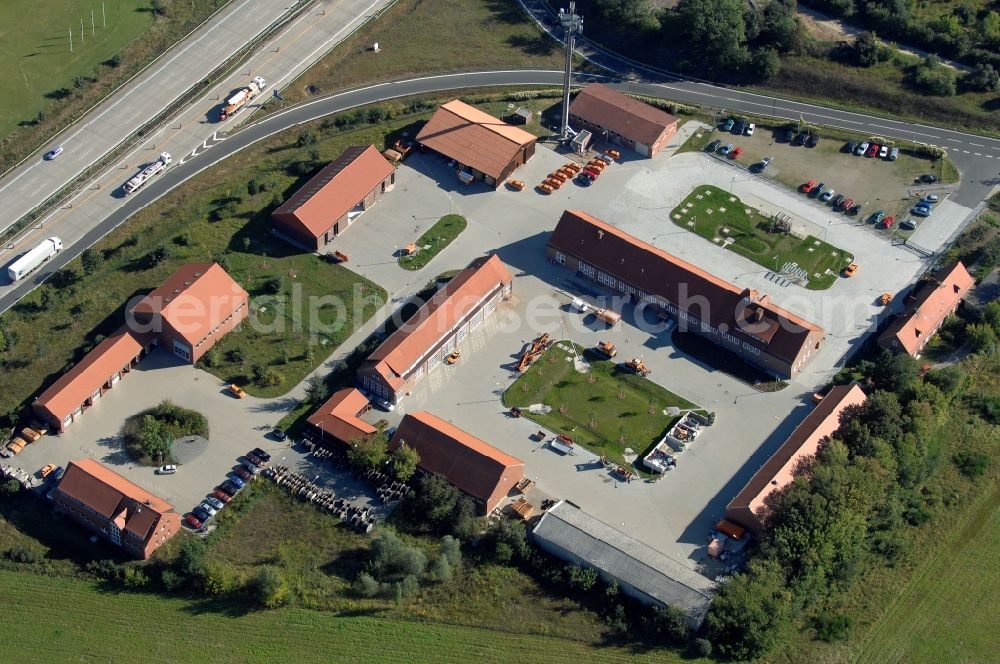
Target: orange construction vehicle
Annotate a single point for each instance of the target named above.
(556, 175)
(573, 166)
(568, 172)
(532, 352)
(614, 154)
(607, 349)
(517, 185)
(544, 188)
(885, 299)
(554, 183)
(638, 366)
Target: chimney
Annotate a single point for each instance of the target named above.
(600, 235)
(758, 314)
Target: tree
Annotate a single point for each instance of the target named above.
(934, 78)
(369, 451)
(451, 549)
(92, 261)
(267, 376)
(156, 256)
(366, 585)
(981, 337)
(989, 30)
(440, 570)
(253, 187)
(866, 50)
(982, 78)
(154, 439)
(748, 613)
(713, 33)
(991, 315)
(270, 587)
(893, 371)
(764, 64)
(404, 462)
(4, 342)
(306, 139)
(10, 488)
(317, 391)
(191, 561)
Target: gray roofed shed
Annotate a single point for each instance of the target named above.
(641, 571)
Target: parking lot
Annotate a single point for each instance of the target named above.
(672, 515)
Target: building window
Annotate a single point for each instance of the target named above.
(587, 269)
(560, 258)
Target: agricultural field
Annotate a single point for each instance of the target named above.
(724, 219)
(166, 627)
(44, 85)
(607, 409)
(503, 34)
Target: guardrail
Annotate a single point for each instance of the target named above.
(70, 189)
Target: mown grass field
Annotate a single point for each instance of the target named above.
(617, 404)
(63, 619)
(39, 74)
(453, 35)
(722, 218)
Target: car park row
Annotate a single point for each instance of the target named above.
(253, 462)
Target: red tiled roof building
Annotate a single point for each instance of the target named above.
(118, 510)
(931, 301)
(618, 118)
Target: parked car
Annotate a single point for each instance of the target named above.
(872, 150)
(853, 210)
(46, 470)
(927, 179)
(713, 146)
(739, 127)
(883, 152)
(849, 147)
(876, 216)
(237, 480)
(861, 149)
(847, 204)
(385, 405)
(215, 502)
(817, 190)
(193, 521)
(888, 222)
(812, 141)
(57, 473)
(808, 186)
(728, 124)
(766, 161)
(908, 225)
(921, 211)
(837, 200)
(243, 473)
(167, 470)
(827, 195)
(278, 434)
(850, 270)
(789, 135)
(800, 138)
(257, 461)
(726, 149)
(202, 514)
(583, 180)
(893, 154)
(237, 391)
(261, 454)
(735, 154)
(928, 200)
(230, 488)
(750, 129)
(53, 153)
(221, 495)
(208, 507)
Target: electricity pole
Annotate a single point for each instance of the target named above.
(572, 24)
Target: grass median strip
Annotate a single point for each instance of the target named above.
(723, 219)
(606, 409)
(433, 241)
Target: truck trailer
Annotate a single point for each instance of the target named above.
(241, 97)
(146, 174)
(38, 255)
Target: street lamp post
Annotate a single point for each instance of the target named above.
(572, 23)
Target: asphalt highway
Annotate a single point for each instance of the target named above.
(979, 170)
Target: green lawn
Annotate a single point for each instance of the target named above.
(433, 241)
(723, 219)
(617, 403)
(92, 623)
(40, 74)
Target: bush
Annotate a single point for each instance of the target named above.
(92, 261)
(191, 561)
(108, 570)
(170, 580)
(832, 628)
(440, 570)
(503, 553)
(749, 612)
(981, 337)
(451, 549)
(408, 587)
(265, 376)
(270, 587)
(581, 578)
(10, 487)
(22, 554)
(135, 578)
(933, 78)
(156, 256)
(393, 557)
(306, 139)
(701, 647)
(971, 464)
(272, 286)
(983, 78)
(220, 577)
(366, 586)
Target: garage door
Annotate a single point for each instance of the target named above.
(463, 331)
(77, 413)
(477, 319)
(117, 377)
(95, 396)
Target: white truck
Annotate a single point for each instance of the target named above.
(147, 173)
(38, 255)
(241, 97)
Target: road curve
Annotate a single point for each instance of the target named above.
(979, 171)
